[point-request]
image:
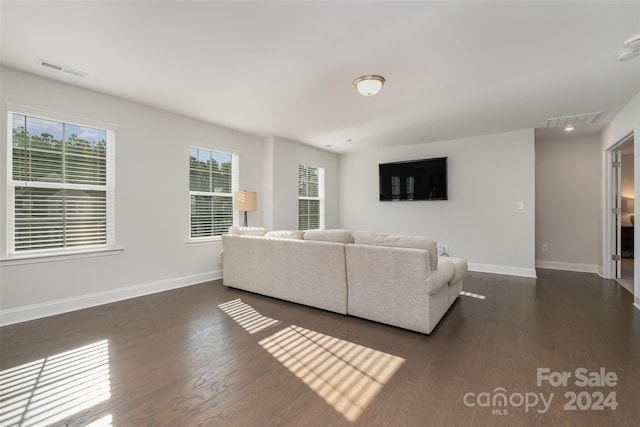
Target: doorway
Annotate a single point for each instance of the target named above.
(623, 203)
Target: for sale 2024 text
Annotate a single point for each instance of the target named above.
(583, 400)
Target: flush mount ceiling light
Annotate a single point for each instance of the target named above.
(369, 85)
(633, 41)
(627, 54)
(632, 48)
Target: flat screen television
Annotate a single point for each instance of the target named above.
(414, 180)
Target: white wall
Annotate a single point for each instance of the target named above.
(285, 156)
(568, 203)
(265, 202)
(152, 203)
(625, 123)
(488, 175)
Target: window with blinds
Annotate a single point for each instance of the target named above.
(310, 189)
(211, 186)
(60, 186)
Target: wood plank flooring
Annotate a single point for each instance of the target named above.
(179, 359)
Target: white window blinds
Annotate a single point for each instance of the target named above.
(60, 186)
(211, 186)
(309, 197)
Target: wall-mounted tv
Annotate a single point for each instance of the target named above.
(414, 180)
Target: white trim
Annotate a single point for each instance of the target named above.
(54, 115)
(37, 311)
(503, 269)
(608, 239)
(58, 256)
(204, 241)
(636, 305)
(568, 266)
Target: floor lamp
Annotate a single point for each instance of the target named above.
(245, 201)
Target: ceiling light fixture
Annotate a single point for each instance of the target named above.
(569, 128)
(632, 48)
(633, 41)
(627, 54)
(369, 85)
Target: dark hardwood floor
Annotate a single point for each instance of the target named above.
(207, 355)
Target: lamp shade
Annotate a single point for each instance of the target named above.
(245, 201)
(369, 85)
(629, 204)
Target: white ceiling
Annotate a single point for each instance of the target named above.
(453, 69)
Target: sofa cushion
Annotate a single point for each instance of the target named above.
(337, 236)
(247, 231)
(285, 234)
(415, 242)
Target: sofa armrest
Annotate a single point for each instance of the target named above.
(440, 277)
(396, 286)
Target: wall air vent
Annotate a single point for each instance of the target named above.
(62, 68)
(579, 120)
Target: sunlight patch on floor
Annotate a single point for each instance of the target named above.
(472, 295)
(48, 390)
(106, 421)
(347, 376)
(246, 316)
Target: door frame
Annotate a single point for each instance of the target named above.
(612, 229)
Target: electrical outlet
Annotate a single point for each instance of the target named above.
(545, 247)
(445, 249)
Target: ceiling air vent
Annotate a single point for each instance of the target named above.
(62, 68)
(50, 65)
(579, 120)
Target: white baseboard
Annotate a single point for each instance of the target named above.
(37, 311)
(569, 266)
(503, 269)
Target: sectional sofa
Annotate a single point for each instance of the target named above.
(396, 280)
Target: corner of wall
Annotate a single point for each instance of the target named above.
(267, 183)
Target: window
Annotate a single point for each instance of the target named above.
(212, 181)
(310, 197)
(60, 186)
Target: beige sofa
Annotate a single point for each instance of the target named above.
(396, 280)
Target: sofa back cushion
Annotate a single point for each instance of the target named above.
(247, 231)
(336, 236)
(285, 234)
(415, 242)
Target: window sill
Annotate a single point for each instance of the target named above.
(34, 259)
(204, 242)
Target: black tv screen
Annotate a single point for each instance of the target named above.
(414, 180)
